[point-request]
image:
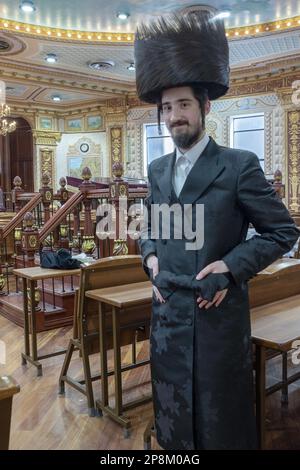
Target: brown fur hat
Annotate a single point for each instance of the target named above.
(178, 50)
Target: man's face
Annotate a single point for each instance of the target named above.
(182, 115)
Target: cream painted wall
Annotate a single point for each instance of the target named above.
(70, 145)
(218, 126)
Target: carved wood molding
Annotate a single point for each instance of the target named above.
(116, 145)
(293, 146)
(46, 138)
(47, 165)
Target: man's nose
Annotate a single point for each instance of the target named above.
(174, 115)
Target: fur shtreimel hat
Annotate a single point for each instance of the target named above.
(181, 50)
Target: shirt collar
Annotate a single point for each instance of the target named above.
(194, 153)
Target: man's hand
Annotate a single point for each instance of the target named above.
(218, 267)
(152, 263)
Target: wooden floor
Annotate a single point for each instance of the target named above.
(44, 420)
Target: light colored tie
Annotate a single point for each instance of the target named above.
(182, 167)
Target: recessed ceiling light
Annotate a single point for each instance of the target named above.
(131, 67)
(56, 98)
(51, 58)
(102, 65)
(27, 6)
(122, 16)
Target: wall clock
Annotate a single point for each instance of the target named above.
(84, 148)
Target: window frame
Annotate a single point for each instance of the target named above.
(243, 116)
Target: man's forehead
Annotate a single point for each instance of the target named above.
(176, 94)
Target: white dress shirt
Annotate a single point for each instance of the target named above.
(185, 162)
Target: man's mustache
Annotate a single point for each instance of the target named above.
(178, 123)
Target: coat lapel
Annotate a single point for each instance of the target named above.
(206, 169)
(163, 175)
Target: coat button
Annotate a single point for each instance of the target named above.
(189, 322)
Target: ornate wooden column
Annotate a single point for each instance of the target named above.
(45, 144)
(293, 156)
(88, 243)
(116, 113)
(17, 182)
(63, 195)
(118, 197)
(30, 239)
(47, 196)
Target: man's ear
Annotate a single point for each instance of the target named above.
(207, 107)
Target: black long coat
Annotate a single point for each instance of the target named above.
(201, 359)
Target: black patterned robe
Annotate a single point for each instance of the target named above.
(201, 359)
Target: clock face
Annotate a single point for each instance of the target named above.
(84, 148)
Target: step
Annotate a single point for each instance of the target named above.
(11, 307)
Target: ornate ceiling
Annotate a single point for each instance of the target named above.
(260, 32)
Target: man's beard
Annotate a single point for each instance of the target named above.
(185, 140)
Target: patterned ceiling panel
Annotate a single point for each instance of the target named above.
(76, 57)
(256, 49)
(45, 95)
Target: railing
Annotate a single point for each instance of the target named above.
(65, 220)
(48, 221)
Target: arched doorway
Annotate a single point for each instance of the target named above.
(17, 157)
(21, 154)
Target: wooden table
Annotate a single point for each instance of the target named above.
(274, 326)
(118, 298)
(30, 277)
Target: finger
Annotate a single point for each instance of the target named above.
(203, 303)
(199, 299)
(155, 270)
(205, 271)
(158, 295)
(208, 305)
(221, 298)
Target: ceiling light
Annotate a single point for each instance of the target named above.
(56, 98)
(51, 58)
(102, 65)
(123, 16)
(131, 67)
(27, 6)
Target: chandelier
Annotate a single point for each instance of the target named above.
(6, 126)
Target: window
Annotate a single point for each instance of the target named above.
(156, 145)
(247, 133)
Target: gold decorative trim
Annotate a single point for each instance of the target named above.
(46, 138)
(69, 35)
(116, 147)
(47, 165)
(286, 24)
(293, 139)
(119, 38)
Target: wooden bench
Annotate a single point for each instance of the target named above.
(121, 299)
(275, 325)
(8, 388)
(133, 325)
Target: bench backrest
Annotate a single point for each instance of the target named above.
(278, 281)
(109, 272)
